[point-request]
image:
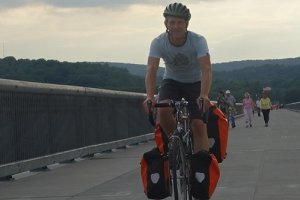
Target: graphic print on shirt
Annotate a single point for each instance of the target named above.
(180, 60)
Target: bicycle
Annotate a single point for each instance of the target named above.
(180, 148)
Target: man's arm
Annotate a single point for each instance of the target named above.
(150, 80)
(206, 79)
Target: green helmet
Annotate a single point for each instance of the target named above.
(177, 10)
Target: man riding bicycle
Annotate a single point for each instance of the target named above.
(188, 72)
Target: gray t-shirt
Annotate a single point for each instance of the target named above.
(181, 61)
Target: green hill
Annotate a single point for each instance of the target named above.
(84, 74)
(239, 76)
(228, 66)
(283, 79)
(140, 70)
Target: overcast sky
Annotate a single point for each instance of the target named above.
(121, 30)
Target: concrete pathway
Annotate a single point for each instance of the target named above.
(263, 163)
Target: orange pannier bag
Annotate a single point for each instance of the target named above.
(217, 131)
(161, 139)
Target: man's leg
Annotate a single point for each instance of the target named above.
(167, 121)
(168, 90)
(200, 135)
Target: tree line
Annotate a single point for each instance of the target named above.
(283, 79)
(84, 74)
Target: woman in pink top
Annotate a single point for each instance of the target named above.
(248, 106)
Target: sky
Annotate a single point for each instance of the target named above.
(122, 30)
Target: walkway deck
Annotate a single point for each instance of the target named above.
(263, 164)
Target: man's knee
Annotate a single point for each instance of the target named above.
(167, 120)
(165, 114)
(198, 127)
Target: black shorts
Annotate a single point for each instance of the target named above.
(175, 90)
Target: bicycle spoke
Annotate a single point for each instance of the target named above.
(173, 151)
(179, 170)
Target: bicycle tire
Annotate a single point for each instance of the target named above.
(178, 170)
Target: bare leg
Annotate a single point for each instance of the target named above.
(200, 135)
(167, 121)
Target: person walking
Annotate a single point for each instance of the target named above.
(266, 105)
(248, 108)
(222, 103)
(258, 107)
(188, 72)
(231, 110)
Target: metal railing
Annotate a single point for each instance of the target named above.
(42, 124)
(293, 106)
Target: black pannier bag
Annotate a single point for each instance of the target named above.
(155, 175)
(205, 174)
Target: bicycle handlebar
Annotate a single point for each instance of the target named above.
(173, 104)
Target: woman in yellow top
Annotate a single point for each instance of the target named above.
(266, 104)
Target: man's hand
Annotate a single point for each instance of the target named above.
(203, 103)
(146, 104)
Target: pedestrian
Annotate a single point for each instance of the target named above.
(231, 110)
(187, 74)
(266, 105)
(221, 102)
(258, 107)
(248, 108)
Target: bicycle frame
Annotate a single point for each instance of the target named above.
(183, 124)
(180, 149)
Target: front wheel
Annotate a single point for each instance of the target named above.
(179, 169)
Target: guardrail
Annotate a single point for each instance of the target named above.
(293, 106)
(42, 124)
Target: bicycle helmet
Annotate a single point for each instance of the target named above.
(177, 10)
